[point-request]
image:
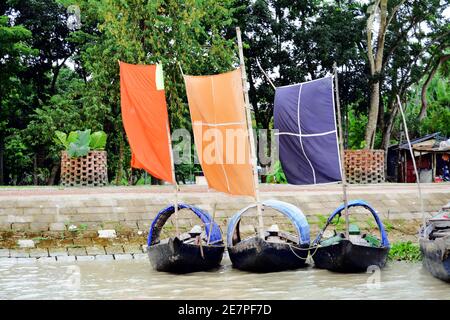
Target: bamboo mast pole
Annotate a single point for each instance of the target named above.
(413, 159)
(250, 133)
(174, 179)
(341, 153)
(175, 204)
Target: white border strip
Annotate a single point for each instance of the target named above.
(300, 83)
(304, 135)
(300, 132)
(200, 123)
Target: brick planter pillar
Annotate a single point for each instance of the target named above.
(364, 166)
(90, 170)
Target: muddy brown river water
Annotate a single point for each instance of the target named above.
(135, 279)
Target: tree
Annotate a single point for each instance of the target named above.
(419, 33)
(48, 32)
(407, 34)
(438, 99)
(375, 57)
(423, 93)
(14, 53)
(47, 20)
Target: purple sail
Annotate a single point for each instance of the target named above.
(304, 116)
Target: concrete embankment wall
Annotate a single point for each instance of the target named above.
(54, 209)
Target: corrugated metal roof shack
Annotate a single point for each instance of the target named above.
(432, 153)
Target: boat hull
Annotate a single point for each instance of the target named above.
(436, 257)
(258, 255)
(345, 256)
(177, 257)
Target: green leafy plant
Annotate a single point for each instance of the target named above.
(388, 226)
(340, 224)
(277, 174)
(79, 143)
(322, 220)
(61, 138)
(80, 147)
(405, 251)
(98, 140)
(370, 223)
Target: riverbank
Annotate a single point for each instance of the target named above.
(63, 224)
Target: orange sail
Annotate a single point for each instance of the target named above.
(220, 130)
(145, 119)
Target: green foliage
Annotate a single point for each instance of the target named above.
(40, 93)
(438, 111)
(405, 251)
(79, 143)
(80, 147)
(370, 223)
(61, 138)
(388, 226)
(277, 174)
(98, 140)
(322, 220)
(73, 136)
(17, 156)
(339, 222)
(357, 126)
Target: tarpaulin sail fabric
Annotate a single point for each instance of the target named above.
(304, 116)
(220, 130)
(145, 119)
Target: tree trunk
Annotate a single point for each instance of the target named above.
(130, 178)
(53, 173)
(373, 115)
(389, 126)
(376, 64)
(120, 162)
(56, 70)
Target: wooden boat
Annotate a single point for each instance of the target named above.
(354, 254)
(435, 245)
(278, 250)
(189, 252)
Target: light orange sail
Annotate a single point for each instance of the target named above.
(145, 119)
(220, 130)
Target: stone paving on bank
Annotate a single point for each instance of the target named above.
(73, 254)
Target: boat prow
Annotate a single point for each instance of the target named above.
(278, 251)
(186, 253)
(346, 256)
(173, 255)
(435, 246)
(258, 255)
(351, 255)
